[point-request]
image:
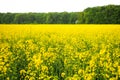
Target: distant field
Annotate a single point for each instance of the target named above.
(59, 52)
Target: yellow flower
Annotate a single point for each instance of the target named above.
(80, 71)
(44, 68)
(4, 69)
(7, 78)
(37, 60)
(63, 74)
(2, 63)
(102, 51)
(115, 64)
(32, 78)
(107, 76)
(113, 78)
(119, 70)
(26, 77)
(22, 71)
(65, 61)
(88, 77)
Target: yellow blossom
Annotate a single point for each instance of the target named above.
(63, 74)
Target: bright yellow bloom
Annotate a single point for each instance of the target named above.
(44, 68)
(119, 70)
(113, 78)
(63, 74)
(80, 71)
(22, 71)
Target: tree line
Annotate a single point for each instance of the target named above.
(39, 18)
(109, 14)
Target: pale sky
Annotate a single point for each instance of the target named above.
(51, 5)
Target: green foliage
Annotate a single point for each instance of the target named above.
(38, 18)
(101, 15)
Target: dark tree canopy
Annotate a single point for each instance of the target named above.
(101, 15)
(109, 14)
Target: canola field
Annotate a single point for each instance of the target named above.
(59, 52)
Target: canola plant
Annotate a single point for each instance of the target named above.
(59, 52)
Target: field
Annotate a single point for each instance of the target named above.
(59, 52)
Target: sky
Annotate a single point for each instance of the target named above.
(21, 6)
